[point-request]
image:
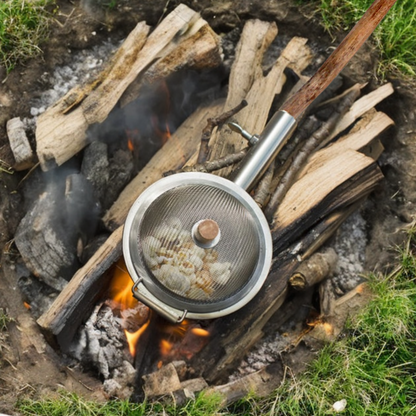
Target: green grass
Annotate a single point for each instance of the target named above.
(23, 26)
(395, 36)
(4, 320)
(71, 404)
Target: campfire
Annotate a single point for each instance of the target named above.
(157, 109)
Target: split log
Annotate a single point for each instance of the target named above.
(79, 296)
(198, 51)
(360, 107)
(61, 130)
(361, 135)
(255, 38)
(261, 384)
(19, 143)
(346, 172)
(307, 148)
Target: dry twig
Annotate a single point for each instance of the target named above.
(211, 124)
(262, 192)
(211, 166)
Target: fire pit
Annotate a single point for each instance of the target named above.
(70, 238)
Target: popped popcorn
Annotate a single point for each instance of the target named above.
(182, 266)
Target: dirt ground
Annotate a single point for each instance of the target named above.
(80, 24)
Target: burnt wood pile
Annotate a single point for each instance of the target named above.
(321, 176)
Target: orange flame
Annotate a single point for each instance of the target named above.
(200, 332)
(26, 305)
(133, 338)
(329, 330)
(120, 291)
(165, 347)
(163, 134)
(121, 286)
(132, 137)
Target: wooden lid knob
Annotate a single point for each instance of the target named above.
(207, 231)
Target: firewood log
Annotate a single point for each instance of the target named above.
(20, 145)
(61, 130)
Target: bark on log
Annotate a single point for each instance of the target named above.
(313, 270)
(61, 130)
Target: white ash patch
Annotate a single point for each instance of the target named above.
(267, 351)
(350, 244)
(101, 344)
(83, 67)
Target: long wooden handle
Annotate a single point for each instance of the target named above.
(300, 101)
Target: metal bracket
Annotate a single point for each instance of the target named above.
(251, 138)
(143, 295)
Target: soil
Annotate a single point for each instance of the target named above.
(81, 24)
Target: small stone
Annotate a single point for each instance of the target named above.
(339, 406)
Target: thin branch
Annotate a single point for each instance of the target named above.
(211, 124)
(211, 166)
(262, 193)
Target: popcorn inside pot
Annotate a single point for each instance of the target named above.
(182, 266)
